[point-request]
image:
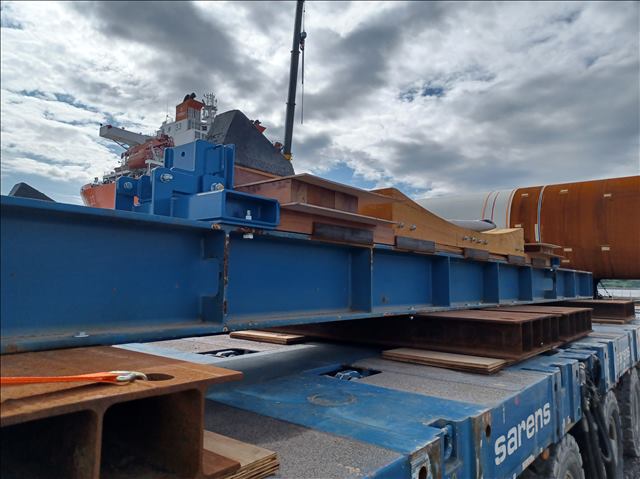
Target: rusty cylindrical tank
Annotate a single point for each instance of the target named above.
(596, 222)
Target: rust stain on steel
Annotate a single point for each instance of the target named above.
(574, 323)
(103, 430)
(606, 308)
(524, 211)
(597, 222)
(499, 334)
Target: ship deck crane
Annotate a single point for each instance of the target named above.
(298, 44)
(124, 138)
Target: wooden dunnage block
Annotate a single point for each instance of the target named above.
(459, 362)
(541, 254)
(268, 337)
(307, 201)
(414, 221)
(255, 462)
(216, 466)
(243, 175)
(305, 218)
(313, 190)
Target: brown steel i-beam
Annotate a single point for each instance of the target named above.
(498, 334)
(623, 309)
(88, 430)
(574, 323)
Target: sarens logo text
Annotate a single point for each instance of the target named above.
(529, 427)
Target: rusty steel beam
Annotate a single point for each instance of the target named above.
(500, 334)
(150, 428)
(574, 323)
(621, 309)
(595, 222)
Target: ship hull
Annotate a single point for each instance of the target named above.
(99, 196)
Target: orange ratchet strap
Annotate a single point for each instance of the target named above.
(114, 377)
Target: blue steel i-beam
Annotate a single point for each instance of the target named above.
(75, 276)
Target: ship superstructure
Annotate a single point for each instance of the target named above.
(193, 121)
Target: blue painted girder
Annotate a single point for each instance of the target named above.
(75, 276)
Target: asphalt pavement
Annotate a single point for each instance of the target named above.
(631, 468)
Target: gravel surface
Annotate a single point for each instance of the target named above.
(631, 468)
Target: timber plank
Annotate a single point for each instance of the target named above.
(255, 462)
(268, 337)
(243, 175)
(462, 362)
(417, 222)
(215, 466)
(307, 179)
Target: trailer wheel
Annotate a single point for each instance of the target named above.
(614, 430)
(628, 393)
(564, 462)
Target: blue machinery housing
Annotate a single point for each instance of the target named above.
(74, 275)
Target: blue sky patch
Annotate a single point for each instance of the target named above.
(343, 173)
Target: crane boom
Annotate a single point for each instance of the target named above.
(120, 135)
(293, 80)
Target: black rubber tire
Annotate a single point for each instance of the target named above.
(628, 394)
(614, 430)
(565, 462)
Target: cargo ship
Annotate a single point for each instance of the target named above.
(256, 157)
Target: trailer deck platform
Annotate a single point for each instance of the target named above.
(391, 419)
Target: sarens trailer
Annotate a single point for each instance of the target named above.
(337, 411)
(188, 255)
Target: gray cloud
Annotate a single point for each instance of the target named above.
(447, 97)
(189, 48)
(579, 118)
(359, 62)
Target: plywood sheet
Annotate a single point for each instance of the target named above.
(268, 337)
(215, 466)
(417, 222)
(255, 462)
(460, 362)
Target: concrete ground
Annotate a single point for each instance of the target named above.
(631, 468)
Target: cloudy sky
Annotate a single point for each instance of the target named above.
(433, 98)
